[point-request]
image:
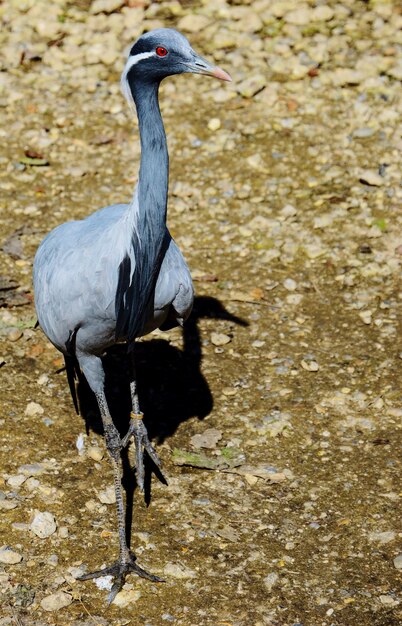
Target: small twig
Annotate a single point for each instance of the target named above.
(317, 289)
(87, 611)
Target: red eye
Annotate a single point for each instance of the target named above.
(161, 52)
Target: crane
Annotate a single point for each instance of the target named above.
(117, 274)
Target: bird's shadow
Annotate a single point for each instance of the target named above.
(171, 388)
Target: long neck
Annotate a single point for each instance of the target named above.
(134, 297)
(154, 167)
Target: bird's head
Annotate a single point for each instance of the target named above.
(163, 52)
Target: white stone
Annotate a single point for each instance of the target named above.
(366, 317)
(313, 251)
(178, 571)
(322, 14)
(16, 480)
(310, 366)
(388, 600)
(251, 85)
(271, 580)
(398, 561)
(290, 284)
(56, 601)
(220, 339)
(299, 17)
(288, 211)
(47, 28)
(33, 408)
(371, 178)
(104, 582)
(382, 537)
(95, 453)
(214, 123)
(208, 439)
(126, 597)
(80, 444)
(193, 23)
(345, 76)
(108, 496)
(9, 556)
(105, 6)
(43, 525)
(289, 67)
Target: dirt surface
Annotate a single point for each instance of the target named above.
(285, 197)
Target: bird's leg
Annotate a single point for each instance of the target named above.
(138, 431)
(126, 561)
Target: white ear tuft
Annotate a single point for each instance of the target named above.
(125, 87)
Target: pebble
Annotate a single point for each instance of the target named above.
(8, 505)
(388, 600)
(362, 133)
(344, 76)
(14, 334)
(63, 532)
(310, 366)
(21, 526)
(366, 316)
(313, 251)
(288, 211)
(290, 284)
(177, 570)
(398, 561)
(80, 444)
(95, 453)
(271, 580)
(382, 537)
(369, 177)
(208, 439)
(193, 23)
(77, 571)
(31, 469)
(299, 17)
(56, 601)
(256, 161)
(258, 343)
(104, 582)
(252, 85)
(126, 597)
(9, 556)
(220, 339)
(16, 481)
(322, 13)
(105, 6)
(33, 408)
(214, 123)
(290, 68)
(43, 524)
(108, 496)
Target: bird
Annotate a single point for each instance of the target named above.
(118, 274)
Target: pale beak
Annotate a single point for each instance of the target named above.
(201, 66)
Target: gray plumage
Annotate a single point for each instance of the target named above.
(118, 274)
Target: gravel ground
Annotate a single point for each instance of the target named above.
(276, 412)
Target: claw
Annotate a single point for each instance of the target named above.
(119, 571)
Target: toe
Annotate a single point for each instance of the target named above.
(117, 586)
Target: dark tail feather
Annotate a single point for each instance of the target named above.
(72, 375)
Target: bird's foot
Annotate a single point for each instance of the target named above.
(119, 571)
(138, 431)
